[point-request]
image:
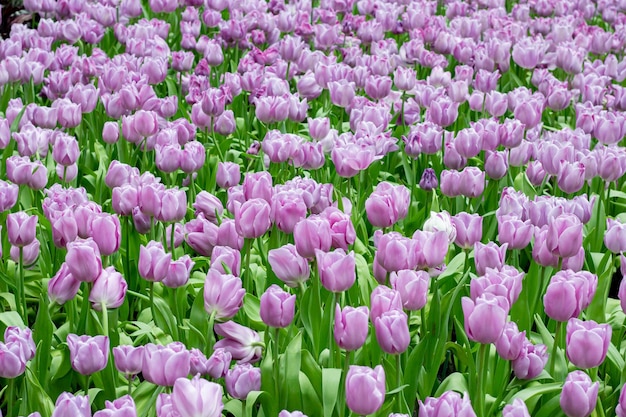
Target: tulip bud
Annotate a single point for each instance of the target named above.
(488, 256)
(579, 395)
(83, 260)
(243, 379)
(517, 409)
(252, 219)
(63, 286)
(88, 354)
(351, 327)
(288, 265)
(21, 228)
(392, 331)
(163, 365)
(197, 397)
(565, 236)
(69, 405)
(587, 342)
(485, 318)
(450, 403)
(531, 361)
(469, 229)
(311, 234)
(412, 286)
(218, 364)
(108, 290)
(228, 174)
(277, 307)
(337, 270)
(128, 359)
(365, 389)
(510, 344)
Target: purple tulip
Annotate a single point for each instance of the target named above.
(579, 395)
(505, 282)
(351, 327)
(12, 362)
(88, 354)
(311, 234)
(587, 342)
(21, 228)
(488, 256)
(384, 299)
(516, 233)
(288, 265)
(122, 407)
(109, 289)
(243, 379)
(128, 359)
(449, 404)
(163, 365)
(387, 204)
(485, 318)
(106, 232)
(178, 272)
(469, 229)
(428, 182)
(412, 286)
(252, 219)
(197, 397)
(620, 409)
(615, 236)
(277, 307)
(288, 209)
(365, 389)
(510, 344)
(30, 253)
(23, 339)
(337, 270)
(226, 260)
(8, 195)
(218, 364)
(228, 174)
(531, 361)
(63, 286)
(472, 182)
(568, 294)
(392, 331)
(396, 252)
(69, 405)
(516, 409)
(154, 262)
(241, 342)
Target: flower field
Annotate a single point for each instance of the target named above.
(319, 208)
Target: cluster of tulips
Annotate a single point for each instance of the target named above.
(313, 208)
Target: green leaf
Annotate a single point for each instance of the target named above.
(11, 318)
(539, 389)
(331, 378)
(456, 381)
(291, 361)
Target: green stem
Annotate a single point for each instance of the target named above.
(275, 365)
(152, 300)
(331, 345)
(172, 241)
(248, 279)
(105, 319)
(342, 385)
(22, 289)
(11, 397)
(481, 369)
(130, 385)
(555, 347)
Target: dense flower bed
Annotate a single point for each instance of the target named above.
(251, 208)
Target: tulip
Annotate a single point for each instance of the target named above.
(209, 205)
(531, 361)
(488, 256)
(392, 331)
(579, 395)
(412, 286)
(449, 404)
(565, 236)
(469, 229)
(587, 342)
(365, 389)
(88, 354)
(154, 262)
(396, 252)
(108, 290)
(12, 362)
(428, 182)
(226, 260)
(23, 339)
(516, 233)
(472, 182)
(311, 234)
(218, 364)
(228, 174)
(197, 398)
(258, 185)
(485, 318)
(123, 406)
(21, 228)
(387, 204)
(178, 272)
(569, 293)
(243, 379)
(384, 299)
(128, 359)
(506, 282)
(288, 265)
(69, 405)
(172, 206)
(106, 232)
(8, 195)
(83, 260)
(30, 253)
(241, 342)
(287, 210)
(351, 327)
(63, 286)
(223, 294)
(163, 365)
(510, 344)
(516, 409)
(277, 307)
(337, 270)
(200, 234)
(252, 219)
(615, 236)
